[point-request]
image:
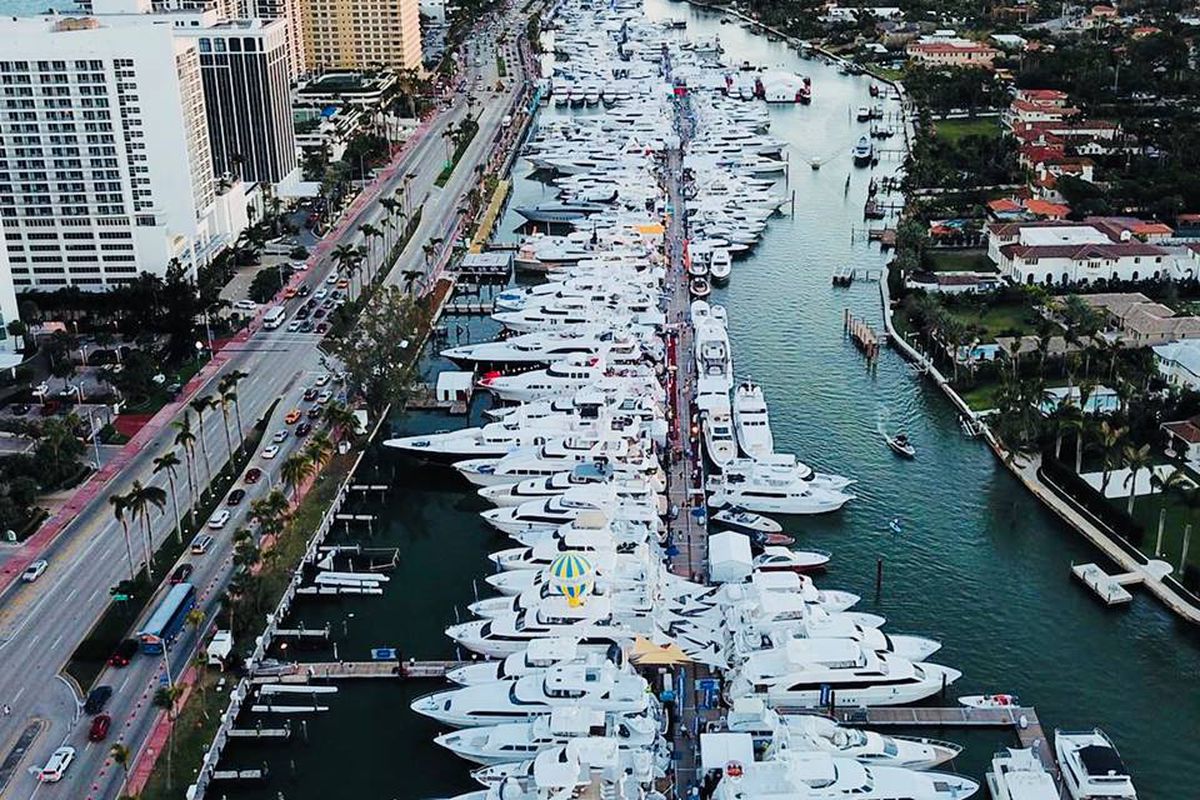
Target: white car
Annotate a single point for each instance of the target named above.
(293, 326)
(280, 436)
(299, 266)
(219, 519)
(56, 767)
(332, 279)
(246, 305)
(324, 397)
(35, 570)
(320, 294)
(322, 379)
(271, 451)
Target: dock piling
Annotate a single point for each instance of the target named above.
(878, 577)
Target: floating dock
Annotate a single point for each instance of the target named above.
(261, 734)
(355, 670)
(238, 775)
(1109, 588)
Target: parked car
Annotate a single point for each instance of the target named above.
(219, 519)
(320, 294)
(253, 475)
(314, 412)
(182, 573)
(21, 409)
(246, 305)
(271, 451)
(201, 544)
(235, 497)
(322, 327)
(99, 730)
(97, 699)
(293, 326)
(324, 397)
(124, 653)
(56, 767)
(310, 394)
(307, 327)
(35, 570)
(332, 279)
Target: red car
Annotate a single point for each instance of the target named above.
(99, 730)
(253, 475)
(124, 653)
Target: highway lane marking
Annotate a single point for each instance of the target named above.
(55, 643)
(17, 696)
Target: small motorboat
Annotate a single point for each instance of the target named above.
(895, 526)
(815, 163)
(864, 152)
(989, 700)
(864, 114)
(698, 268)
(901, 445)
(781, 559)
(700, 287)
(738, 519)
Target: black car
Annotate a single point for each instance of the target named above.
(304, 429)
(181, 573)
(18, 409)
(302, 313)
(307, 327)
(235, 497)
(304, 290)
(97, 699)
(124, 653)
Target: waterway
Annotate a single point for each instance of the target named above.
(981, 565)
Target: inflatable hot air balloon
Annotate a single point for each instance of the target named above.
(571, 576)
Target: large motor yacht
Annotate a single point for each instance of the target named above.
(518, 741)
(1018, 774)
(751, 421)
(1091, 767)
(804, 672)
(777, 484)
(606, 689)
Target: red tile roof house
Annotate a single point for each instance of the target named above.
(1183, 437)
(1065, 253)
(1026, 112)
(952, 53)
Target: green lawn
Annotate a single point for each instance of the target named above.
(958, 261)
(981, 397)
(997, 319)
(1146, 509)
(951, 130)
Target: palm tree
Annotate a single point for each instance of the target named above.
(224, 401)
(120, 504)
(121, 755)
(411, 277)
(1111, 439)
(141, 499)
(319, 448)
(270, 513)
(200, 405)
(1085, 393)
(1136, 460)
(295, 470)
(187, 440)
(167, 463)
(229, 386)
(343, 255)
(342, 420)
(168, 698)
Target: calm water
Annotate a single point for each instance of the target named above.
(23, 8)
(981, 566)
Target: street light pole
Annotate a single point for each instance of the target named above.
(95, 436)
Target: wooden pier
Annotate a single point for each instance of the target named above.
(863, 335)
(467, 308)
(303, 634)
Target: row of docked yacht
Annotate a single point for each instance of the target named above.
(558, 708)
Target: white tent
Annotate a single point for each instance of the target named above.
(729, 558)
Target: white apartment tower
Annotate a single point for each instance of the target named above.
(105, 165)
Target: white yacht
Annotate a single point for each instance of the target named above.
(593, 506)
(820, 776)
(578, 342)
(777, 484)
(565, 377)
(716, 424)
(544, 317)
(598, 756)
(1018, 774)
(539, 656)
(1091, 767)
(751, 421)
(517, 741)
(592, 623)
(626, 459)
(515, 494)
(796, 674)
(784, 594)
(601, 688)
(819, 733)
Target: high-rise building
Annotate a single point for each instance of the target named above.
(105, 165)
(244, 69)
(361, 34)
(289, 12)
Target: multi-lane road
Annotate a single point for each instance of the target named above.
(42, 623)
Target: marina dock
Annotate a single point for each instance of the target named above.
(356, 670)
(1109, 588)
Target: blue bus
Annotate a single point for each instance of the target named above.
(167, 620)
